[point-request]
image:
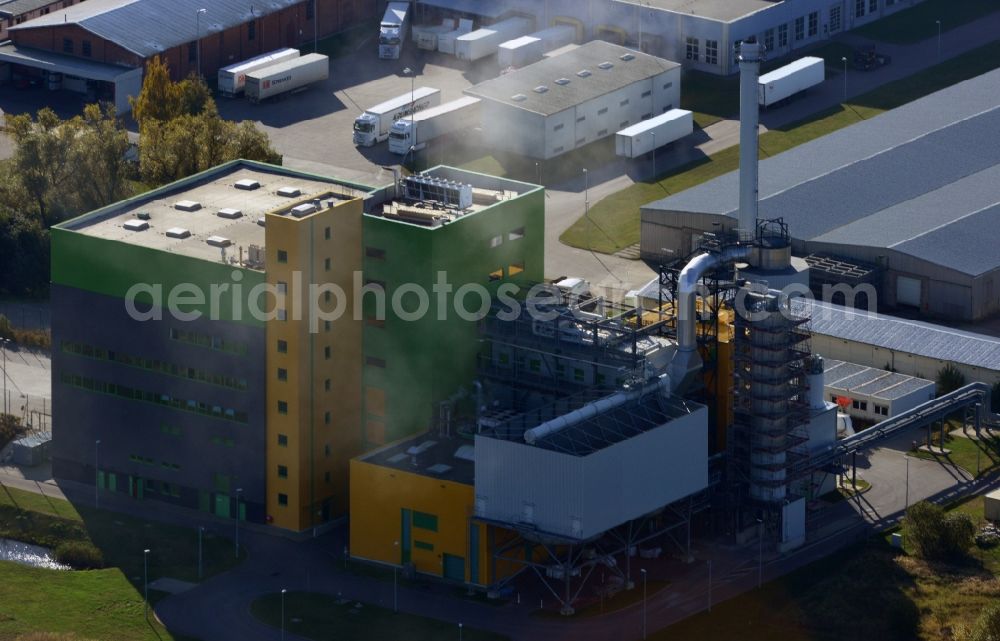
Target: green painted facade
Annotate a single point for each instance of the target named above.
(420, 363)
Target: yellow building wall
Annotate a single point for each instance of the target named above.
(322, 422)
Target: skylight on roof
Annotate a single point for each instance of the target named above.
(540, 89)
(627, 56)
(605, 65)
(583, 73)
(519, 97)
(562, 81)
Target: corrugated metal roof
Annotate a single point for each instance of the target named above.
(870, 381)
(579, 89)
(901, 335)
(59, 63)
(928, 168)
(724, 10)
(484, 8)
(149, 27)
(12, 8)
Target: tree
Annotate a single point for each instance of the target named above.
(987, 627)
(41, 158)
(949, 379)
(995, 397)
(159, 98)
(936, 535)
(101, 170)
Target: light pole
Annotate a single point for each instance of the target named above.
(315, 25)
(844, 60)
(200, 531)
(654, 154)
(413, 109)
(642, 571)
(3, 349)
(395, 585)
(97, 473)
(710, 585)
(938, 22)
(145, 581)
(239, 492)
(586, 191)
(459, 631)
(197, 42)
(906, 500)
(538, 175)
(283, 592)
(760, 553)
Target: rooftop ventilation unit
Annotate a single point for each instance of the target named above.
(218, 241)
(303, 210)
(414, 450)
(562, 81)
(627, 56)
(289, 192)
(136, 225)
(230, 213)
(178, 232)
(247, 184)
(187, 205)
(260, 221)
(422, 188)
(583, 73)
(605, 65)
(143, 215)
(439, 468)
(541, 89)
(519, 97)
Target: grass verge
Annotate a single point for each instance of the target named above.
(315, 616)
(919, 22)
(613, 223)
(975, 457)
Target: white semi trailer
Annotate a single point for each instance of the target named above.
(373, 125)
(446, 41)
(520, 52)
(392, 30)
(233, 78)
(286, 76)
(414, 132)
(784, 82)
(485, 42)
(648, 135)
(426, 36)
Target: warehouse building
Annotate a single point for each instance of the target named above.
(14, 12)
(84, 47)
(863, 204)
(567, 101)
(873, 394)
(256, 406)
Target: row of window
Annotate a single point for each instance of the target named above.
(516, 234)
(155, 365)
(145, 460)
(207, 340)
(85, 47)
(881, 410)
(123, 391)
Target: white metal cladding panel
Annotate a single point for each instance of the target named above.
(510, 475)
(560, 130)
(667, 97)
(909, 401)
(511, 129)
(641, 474)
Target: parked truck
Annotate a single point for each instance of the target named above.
(785, 82)
(446, 41)
(426, 36)
(392, 30)
(414, 132)
(233, 78)
(649, 135)
(373, 125)
(286, 76)
(520, 52)
(485, 42)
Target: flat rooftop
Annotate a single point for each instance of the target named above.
(723, 10)
(610, 68)
(870, 381)
(194, 205)
(449, 458)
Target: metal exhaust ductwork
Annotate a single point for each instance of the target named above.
(750, 55)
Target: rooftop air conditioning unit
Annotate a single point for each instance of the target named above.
(136, 225)
(187, 205)
(289, 192)
(303, 210)
(230, 213)
(178, 232)
(247, 184)
(218, 241)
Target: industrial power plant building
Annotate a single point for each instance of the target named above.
(567, 101)
(908, 201)
(250, 404)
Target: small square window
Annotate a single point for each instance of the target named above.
(326, 265)
(282, 440)
(327, 418)
(327, 325)
(326, 385)
(326, 477)
(283, 499)
(282, 407)
(282, 472)
(326, 233)
(282, 347)
(326, 352)
(326, 449)
(282, 256)
(282, 374)
(375, 253)
(372, 361)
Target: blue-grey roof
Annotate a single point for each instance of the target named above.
(485, 8)
(20, 7)
(923, 179)
(149, 27)
(901, 335)
(870, 381)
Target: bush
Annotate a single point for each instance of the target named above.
(936, 535)
(10, 429)
(987, 626)
(949, 379)
(995, 397)
(79, 555)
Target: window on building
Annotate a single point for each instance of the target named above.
(872, 6)
(282, 440)
(420, 545)
(326, 450)
(425, 521)
(282, 407)
(496, 274)
(800, 28)
(813, 23)
(326, 477)
(557, 127)
(282, 256)
(327, 418)
(282, 347)
(282, 374)
(859, 8)
(516, 234)
(326, 264)
(283, 500)
(692, 49)
(860, 405)
(373, 361)
(647, 93)
(558, 150)
(602, 132)
(310, 9)
(326, 385)
(251, 30)
(580, 141)
(578, 374)
(712, 52)
(327, 325)
(835, 18)
(602, 111)
(769, 40)
(85, 48)
(374, 253)
(326, 352)
(192, 51)
(67, 45)
(514, 269)
(881, 410)
(668, 85)
(282, 472)
(496, 241)
(782, 35)
(326, 234)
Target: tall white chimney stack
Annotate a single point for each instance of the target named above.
(749, 57)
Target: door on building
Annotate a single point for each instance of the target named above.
(404, 536)
(222, 505)
(907, 291)
(454, 567)
(473, 553)
(135, 487)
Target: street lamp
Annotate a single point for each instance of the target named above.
(145, 581)
(654, 154)
(844, 60)
(283, 592)
(586, 190)
(906, 507)
(760, 553)
(315, 5)
(97, 474)
(201, 530)
(643, 572)
(459, 631)
(239, 492)
(197, 42)
(710, 585)
(413, 109)
(395, 585)
(3, 349)
(938, 22)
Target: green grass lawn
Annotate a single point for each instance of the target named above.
(965, 453)
(318, 616)
(919, 22)
(613, 222)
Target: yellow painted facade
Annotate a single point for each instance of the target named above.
(313, 366)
